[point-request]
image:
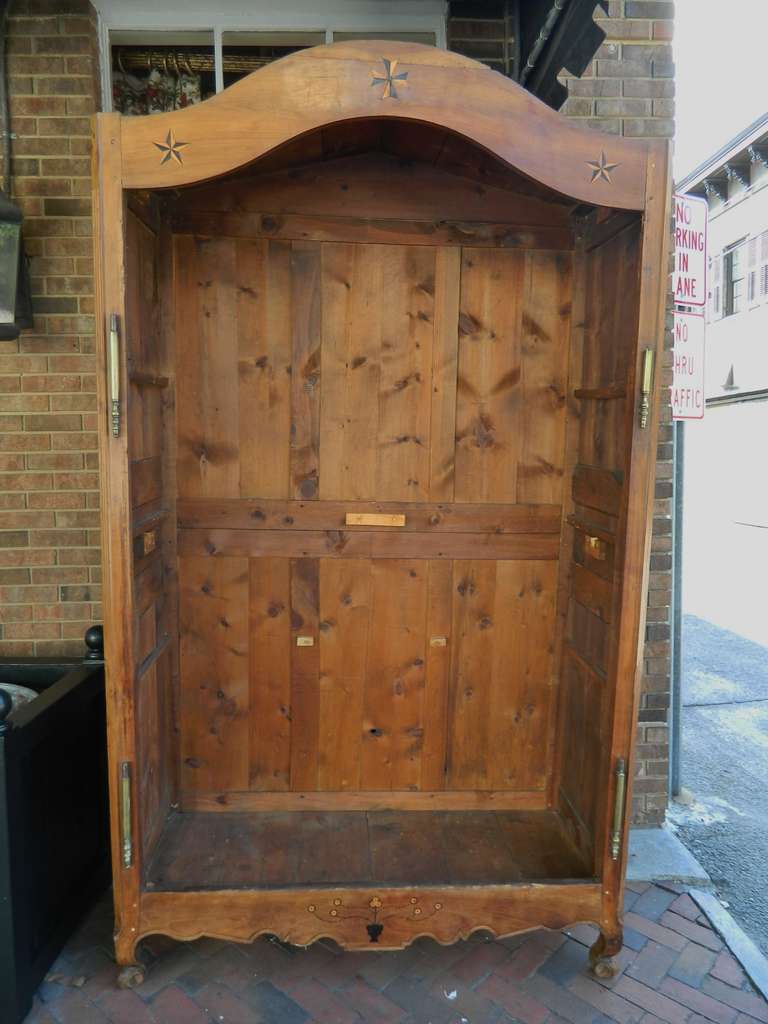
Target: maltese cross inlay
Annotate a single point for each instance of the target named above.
(170, 149)
(601, 169)
(389, 79)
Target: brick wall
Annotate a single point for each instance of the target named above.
(49, 538)
(49, 555)
(629, 90)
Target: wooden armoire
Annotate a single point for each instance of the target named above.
(378, 414)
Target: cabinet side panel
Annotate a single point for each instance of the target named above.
(150, 436)
(592, 542)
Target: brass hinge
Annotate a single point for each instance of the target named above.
(114, 374)
(646, 388)
(126, 818)
(618, 807)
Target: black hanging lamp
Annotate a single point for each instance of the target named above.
(15, 302)
(10, 271)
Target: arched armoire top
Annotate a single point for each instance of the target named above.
(351, 80)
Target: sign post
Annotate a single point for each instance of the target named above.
(690, 281)
(687, 390)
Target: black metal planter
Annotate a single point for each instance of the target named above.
(54, 831)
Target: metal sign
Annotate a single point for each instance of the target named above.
(687, 391)
(690, 281)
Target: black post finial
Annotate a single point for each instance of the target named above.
(94, 641)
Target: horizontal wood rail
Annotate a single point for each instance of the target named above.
(289, 515)
(604, 393)
(148, 380)
(365, 543)
(594, 592)
(449, 800)
(571, 652)
(329, 228)
(597, 488)
(591, 529)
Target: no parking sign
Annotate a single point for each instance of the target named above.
(690, 284)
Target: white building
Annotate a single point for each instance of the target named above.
(725, 532)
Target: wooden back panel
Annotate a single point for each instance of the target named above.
(322, 377)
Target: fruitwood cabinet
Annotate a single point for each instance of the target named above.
(378, 425)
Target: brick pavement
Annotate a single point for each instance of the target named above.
(674, 970)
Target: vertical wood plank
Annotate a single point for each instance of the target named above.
(345, 607)
(394, 687)
(306, 380)
(474, 629)
(213, 613)
(270, 676)
(442, 439)
(206, 368)
(437, 683)
(488, 408)
(545, 334)
(523, 680)
(350, 392)
(407, 311)
(264, 301)
(305, 670)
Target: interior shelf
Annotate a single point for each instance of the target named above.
(223, 850)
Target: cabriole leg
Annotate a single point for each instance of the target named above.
(601, 955)
(133, 970)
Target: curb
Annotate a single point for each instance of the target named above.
(738, 942)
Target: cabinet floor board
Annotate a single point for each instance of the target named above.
(204, 850)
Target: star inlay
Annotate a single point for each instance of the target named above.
(391, 76)
(601, 169)
(170, 148)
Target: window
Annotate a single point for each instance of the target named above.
(717, 289)
(752, 272)
(733, 279)
(181, 53)
(764, 265)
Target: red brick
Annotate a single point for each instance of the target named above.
(482, 959)
(25, 649)
(74, 441)
(9, 520)
(694, 932)
(657, 932)
(655, 1003)
(702, 1004)
(24, 556)
(746, 1002)
(372, 1006)
(53, 421)
(32, 631)
(321, 1004)
(525, 960)
(51, 382)
(172, 1006)
(520, 1005)
(16, 575)
(56, 460)
(72, 1007)
(62, 610)
(727, 969)
(608, 1003)
(123, 1006)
